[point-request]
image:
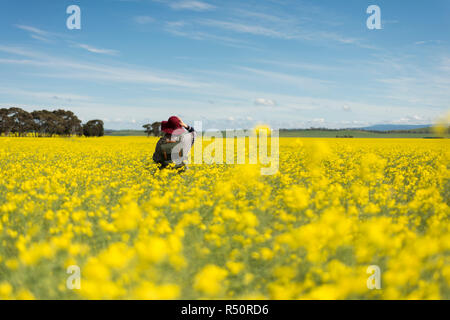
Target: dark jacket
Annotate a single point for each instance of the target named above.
(158, 154)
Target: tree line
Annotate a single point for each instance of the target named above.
(44, 123)
(153, 129)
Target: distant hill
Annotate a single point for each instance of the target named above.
(395, 127)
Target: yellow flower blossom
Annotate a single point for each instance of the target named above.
(225, 231)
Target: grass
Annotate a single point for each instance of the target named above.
(317, 133)
(353, 133)
(123, 133)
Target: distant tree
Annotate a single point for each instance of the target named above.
(46, 123)
(6, 123)
(153, 129)
(15, 120)
(67, 123)
(93, 128)
(156, 127)
(148, 129)
(38, 122)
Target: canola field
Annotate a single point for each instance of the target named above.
(223, 231)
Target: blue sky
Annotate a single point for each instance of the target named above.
(230, 64)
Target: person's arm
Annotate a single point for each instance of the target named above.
(188, 128)
(192, 134)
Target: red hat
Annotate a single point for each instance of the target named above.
(171, 125)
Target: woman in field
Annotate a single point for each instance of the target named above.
(174, 146)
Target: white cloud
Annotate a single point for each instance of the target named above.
(18, 51)
(191, 5)
(265, 102)
(96, 50)
(247, 28)
(185, 29)
(90, 71)
(346, 107)
(33, 30)
(303, 66)
(43, 39)
(305, 82)
(231, 99)
(336, 37)
(24, 62)
(36, 33)
(44, 95)
(278, 25)
(412, 119)
(428, 42)
(262, 16)
(285, 26)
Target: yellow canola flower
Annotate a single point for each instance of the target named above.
(5, 291)
(153, 249)
(209, 279)
(235, 267)
(128, 217)
(335, 207)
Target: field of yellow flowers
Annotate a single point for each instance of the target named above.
(335, 207)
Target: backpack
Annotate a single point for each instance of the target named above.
(163, 152)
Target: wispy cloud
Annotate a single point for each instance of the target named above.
(246, 28)
(43, 39)
(191, 5)
(36, 33)
(305, 82)
(18, 51)
(302, 66)
(336, 37)
(414, 84)
(263, 25)
(188, 30)
(262, 16)
(33, 30)
(46, 36)
(303, 93)
(96, 50)
(44, 95)
(265, 102)
(346, 108)
(90, 71)
(418, 43)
